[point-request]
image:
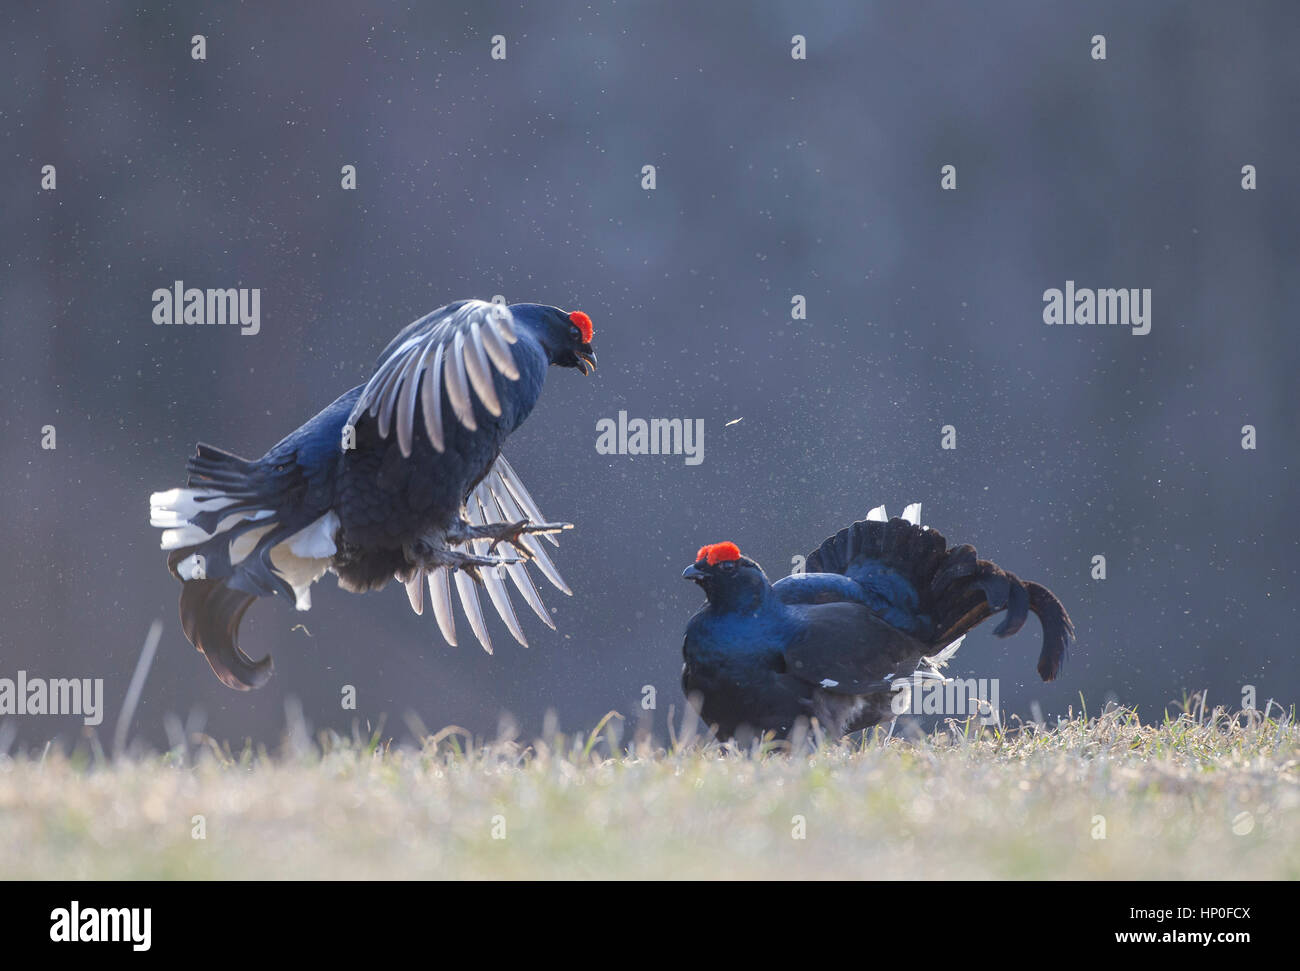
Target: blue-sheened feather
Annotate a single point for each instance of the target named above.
(374, 487)
(882, 601)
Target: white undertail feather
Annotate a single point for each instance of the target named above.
(302, 559)
(911, 513)
(931, 666)
(173, 509)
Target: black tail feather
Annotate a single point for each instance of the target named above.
(967, 603)
(210, 462)
(210, 615)
(1017, 611)
(914, 552)
(229, 475)
(1058, 631)
(255, 488)
(957, 589)
(959, 562)
(996, 586)
(216, 592)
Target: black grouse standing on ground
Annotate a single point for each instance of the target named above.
(400, 477)
(881, 604)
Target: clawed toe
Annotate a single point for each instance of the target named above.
(427, 558)
(504, 532)
(510, 532)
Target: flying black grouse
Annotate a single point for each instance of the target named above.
(400, 477)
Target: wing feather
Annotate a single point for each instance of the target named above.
(544, 564)
(499, 317)
(410, 393)
(383, 404)
(440, 597)
(518, 572)
(458, 383)
(431, 401)
(499, 350)
(515, 485)
(473, 612)
(480, 371)
(494, 500)
(460, 348)
(415, 591)
(478, 510)
(507, 498)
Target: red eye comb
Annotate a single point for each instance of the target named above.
(583, 323)
(718, 552)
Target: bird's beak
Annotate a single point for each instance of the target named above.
(693, 572)
(586, 359)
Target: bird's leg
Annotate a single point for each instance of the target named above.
(462, 531)
(430, 555)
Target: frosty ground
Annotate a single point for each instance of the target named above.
(1194, 795)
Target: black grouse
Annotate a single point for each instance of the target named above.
(401, 477)
(881, 604)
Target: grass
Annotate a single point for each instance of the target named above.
(1197, 795)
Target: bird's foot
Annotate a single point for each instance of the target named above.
(429, 557)
(499, 533)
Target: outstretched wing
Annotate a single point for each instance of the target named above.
(499, 498)
(458, 347)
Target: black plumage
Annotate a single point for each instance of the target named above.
(880, 604)
(401, 477)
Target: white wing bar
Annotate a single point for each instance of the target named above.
(458, 351)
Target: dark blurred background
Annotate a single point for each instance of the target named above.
(776, 177)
